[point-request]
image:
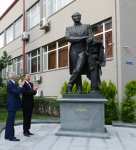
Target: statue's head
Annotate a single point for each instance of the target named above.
(76, 17)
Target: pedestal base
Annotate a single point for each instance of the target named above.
(82, 117)
(103, 135)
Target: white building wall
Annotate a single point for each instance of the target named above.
(12, 15)
(127, 40)
(92, 12)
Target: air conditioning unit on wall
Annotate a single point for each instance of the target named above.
(37, 77)
(25, 36)
(44, 23)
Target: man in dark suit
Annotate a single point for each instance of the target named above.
(13, 104)
(79, 35)
(27, 103)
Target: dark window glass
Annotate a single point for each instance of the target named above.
(33, 53)
(38, 63)
(97, 28)
(62, 42)
(108, 44)
(52, 60)
(52, 46)
(33, 64)
(108, 25)
(63, 57)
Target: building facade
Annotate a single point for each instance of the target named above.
(45, 55)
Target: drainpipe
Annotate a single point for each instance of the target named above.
(119, 95)
(24, 29)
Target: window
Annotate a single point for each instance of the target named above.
(103, 31)
(62, 53)
(52, 60)
(6, 71)
(18, 65)
(18, 27)
(33, 61)
(51, 6)
(10, 68)
(33, 16)
(45, 58)
(55, 55)
(9, 34)
(1, 40)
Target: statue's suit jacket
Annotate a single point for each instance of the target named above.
(77, 35)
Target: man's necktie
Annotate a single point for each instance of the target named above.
(29, 85)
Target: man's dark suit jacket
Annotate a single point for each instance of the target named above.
(27, 96)
(13, 99)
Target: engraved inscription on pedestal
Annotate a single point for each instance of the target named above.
(81, 109)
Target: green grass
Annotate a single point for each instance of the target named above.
(19, 115)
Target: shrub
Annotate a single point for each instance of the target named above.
(128, 110)
(45, 105)
(128, 113)
(86, 87)
(109, 92)
(64, 89)
(3, 96)
(130, 88)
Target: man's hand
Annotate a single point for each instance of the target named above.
(35, 88)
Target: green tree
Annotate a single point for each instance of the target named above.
(109, 91)
(128, 113)
(5, 60)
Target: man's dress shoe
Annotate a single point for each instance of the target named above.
(14, 139)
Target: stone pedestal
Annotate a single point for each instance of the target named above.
(82, 116)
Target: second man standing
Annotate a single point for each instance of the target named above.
(28, 93)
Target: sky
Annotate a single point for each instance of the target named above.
(4, 4)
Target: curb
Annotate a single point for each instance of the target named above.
(123, 124)
(2, 126)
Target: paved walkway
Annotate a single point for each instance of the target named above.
(45, 139)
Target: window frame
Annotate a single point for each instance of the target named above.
(3, 44)
(29, 61)
(103, 33)
(56, 7)
(57, 55)
(29, 16)
(19, 20)
(8, 31)
(16, 65)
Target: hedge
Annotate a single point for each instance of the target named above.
(46, 105)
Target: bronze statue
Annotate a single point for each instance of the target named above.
(78, 35)
(86, 55)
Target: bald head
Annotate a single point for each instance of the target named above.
(76, 14)
(76, 17)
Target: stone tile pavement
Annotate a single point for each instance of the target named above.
(44, 139)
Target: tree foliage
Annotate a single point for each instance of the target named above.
(5, 60)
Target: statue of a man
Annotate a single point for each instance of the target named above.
(79, 35)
